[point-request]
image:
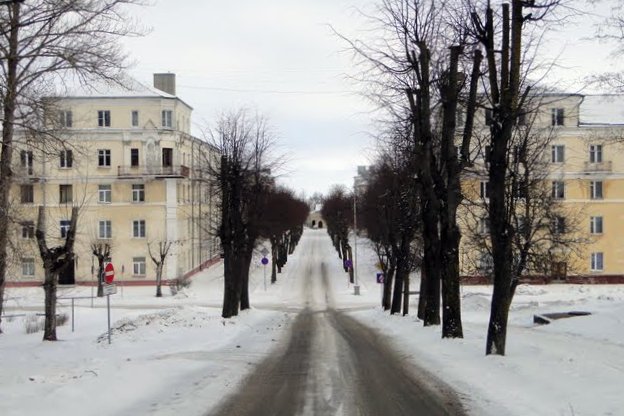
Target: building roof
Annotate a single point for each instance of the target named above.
(131, 88)
(605, 109)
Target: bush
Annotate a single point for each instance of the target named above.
(36, 323)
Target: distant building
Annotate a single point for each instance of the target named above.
(128, 160)
(585, 158)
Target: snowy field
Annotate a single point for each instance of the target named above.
(176, 355)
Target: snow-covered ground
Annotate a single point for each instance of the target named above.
(176, 355)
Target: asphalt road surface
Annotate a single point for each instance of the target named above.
(333, 365)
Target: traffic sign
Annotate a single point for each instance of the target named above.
(380, 277)
(264, 261)
(109, 289)
(109, 273)
(264, 251)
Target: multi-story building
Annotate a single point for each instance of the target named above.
(128, 161)
(584, 158)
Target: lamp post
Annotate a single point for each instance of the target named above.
(356, 287)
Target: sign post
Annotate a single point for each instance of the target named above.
(109, 289)
(264, 262)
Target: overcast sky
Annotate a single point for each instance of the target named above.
(281, 58)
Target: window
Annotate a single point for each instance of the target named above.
(521, 120)
(104, 194)
(27, 194)
(484, 189)
(595, 153)
(105, 230)
(559, 225)
(67, 159)
(597, 262)
(65, 118)
(138, 229)
(64, 227)
(486, 263)
(26, 161)
(557, 153)
(135, 118)
(167, 157)
(558, 189)
(557, 116)
(104, 118)
(134, 157)
(489, 117)
(595, 225)
(167, 116)
(484, 225)
(486, 153)
(138, 193)
(28, 230)
(520, 189)
(104, 157)
(595, 189)
(28, 267)
(138, 266)
(65, 194)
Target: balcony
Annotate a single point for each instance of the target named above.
(156, 172)
(24, 174)
(598, 167)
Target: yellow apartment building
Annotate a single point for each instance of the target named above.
(128, 160)
(585, 160)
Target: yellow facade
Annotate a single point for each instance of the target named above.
(130, 164)
(586, 154)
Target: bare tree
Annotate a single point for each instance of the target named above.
(45, 43)
(337, 212)
(54, 260)
(547, 233)
(242, 177)
(159, 258)
(391, 216)
(507, 97)
(418, 72)
(101, 249)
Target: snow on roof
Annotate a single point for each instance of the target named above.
(130, 88)
(602, 109)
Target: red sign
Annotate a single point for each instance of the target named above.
(109, 273)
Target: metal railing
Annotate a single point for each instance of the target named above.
(180, 171)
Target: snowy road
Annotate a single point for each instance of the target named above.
(333, 365)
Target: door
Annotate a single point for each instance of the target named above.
(67, 275)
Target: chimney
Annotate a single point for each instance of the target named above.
(165, 82)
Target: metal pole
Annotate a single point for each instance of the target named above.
(264, 268)
(108, 311)
(356, 287)
(72, 314)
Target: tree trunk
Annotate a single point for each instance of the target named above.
(431, 265)
(100, 282)
(6, 154)
(406, 288)
(402, 273)
(159, 270)
(350, 257)
(422, 296)
(388, 280)
(244, 292)
(451, 299)
(273, 260)
(49, 288)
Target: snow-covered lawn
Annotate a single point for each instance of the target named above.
(176, 355)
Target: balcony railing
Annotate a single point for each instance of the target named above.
(596, 167)
(129, 172)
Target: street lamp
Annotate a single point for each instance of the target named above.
(356, 287)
